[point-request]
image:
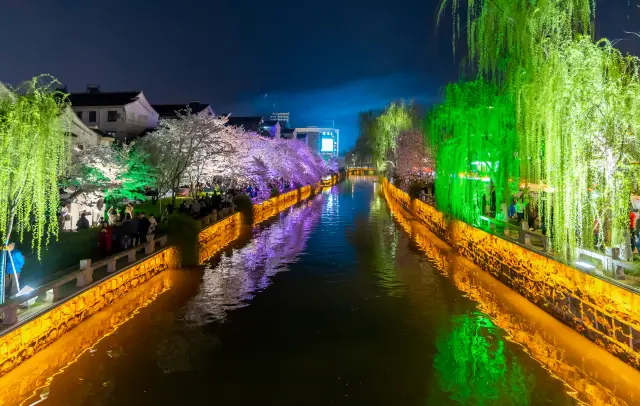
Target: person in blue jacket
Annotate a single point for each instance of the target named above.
(14, 258)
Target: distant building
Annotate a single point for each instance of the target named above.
(172, 110)
(256, 125)
(288, 133)
(272, 127)
(324, 141)
(122, 115)
(283, 118)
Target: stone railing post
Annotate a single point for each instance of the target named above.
(131, 255)
(85, 276)
(150, 246)
(10, 314)
(111, 266)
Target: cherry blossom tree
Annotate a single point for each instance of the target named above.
(180, 145)
(411, 155)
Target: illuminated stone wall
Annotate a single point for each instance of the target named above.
(26, 339)
(215, 237)
(606, 314)
(277, 204)
(593, 374)
(23, 381)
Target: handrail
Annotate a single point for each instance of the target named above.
(83, 277)
(524, 236)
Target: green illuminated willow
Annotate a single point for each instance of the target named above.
(474, 135)
(475, 368)
(577, 109)
(395, 119)
(35, 151)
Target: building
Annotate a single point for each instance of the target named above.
(172, 110)
(122, 115)
(289, 133)
(271, 128)
(256, 125)
(324, 141)
(283, 118)
(84, 136)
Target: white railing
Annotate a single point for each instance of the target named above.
(52, 291)
(514, 233)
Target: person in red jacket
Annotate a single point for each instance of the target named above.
(104, 239)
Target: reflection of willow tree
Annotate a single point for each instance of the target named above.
(376, 241)
(474, 366)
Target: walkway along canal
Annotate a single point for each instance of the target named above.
(344, 299)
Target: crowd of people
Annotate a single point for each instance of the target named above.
(122, 228)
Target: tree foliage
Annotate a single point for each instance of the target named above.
(36, 152)
(577, 109)
(474, 133)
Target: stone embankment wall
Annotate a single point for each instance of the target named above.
(606, 314)
(27, 338)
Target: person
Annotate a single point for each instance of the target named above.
(129, 211)
(113, 216)
(105, 238)
(520, 209)
(511, 213)
(83, 222)
(493, 201)
(134, 229)
(153, 225)
(15, 262)
(195, 208)
(143, 227)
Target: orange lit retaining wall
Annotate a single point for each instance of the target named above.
(604, 313)
(215, 237)
(22, 382)
(596, 377)
(26, 339)
(275, 205)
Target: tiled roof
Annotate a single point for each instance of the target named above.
(103, 98)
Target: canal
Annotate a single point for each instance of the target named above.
(330, 303)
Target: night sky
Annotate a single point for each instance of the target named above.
(319, 60)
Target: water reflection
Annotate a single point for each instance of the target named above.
(467, 354)
(474, 366)
(233, 282)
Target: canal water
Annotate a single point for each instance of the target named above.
(330, 303)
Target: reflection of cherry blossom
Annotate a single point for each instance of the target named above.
(239, 276)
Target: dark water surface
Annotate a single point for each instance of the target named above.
(329, 304)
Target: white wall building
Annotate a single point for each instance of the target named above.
(122, 115)
(325, 141)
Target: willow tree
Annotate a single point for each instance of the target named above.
(474, 135)
(35, 151)
(396, 118)
(577, 110)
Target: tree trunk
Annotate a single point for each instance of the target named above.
(3, 257)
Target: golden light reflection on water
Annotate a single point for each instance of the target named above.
(32, 378)
(592, 375)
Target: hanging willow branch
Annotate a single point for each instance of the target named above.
(474, 135)
(36, 151)
(577, 106)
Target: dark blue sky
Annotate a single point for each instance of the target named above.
(320, 60)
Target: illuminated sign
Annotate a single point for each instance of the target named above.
(327, 145)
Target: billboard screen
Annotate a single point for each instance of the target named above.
(327, 145)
